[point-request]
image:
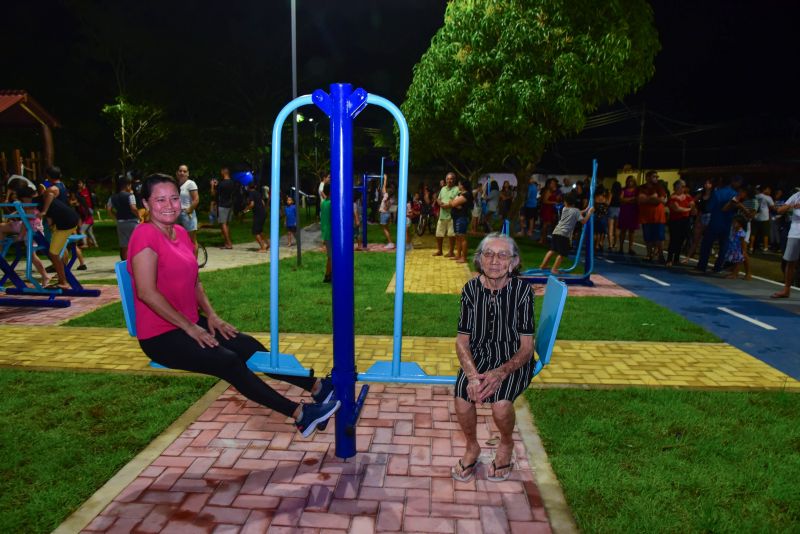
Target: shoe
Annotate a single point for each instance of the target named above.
(325, 393)
(314, 414)
(388, 246)
(81, 267)
(464, 473)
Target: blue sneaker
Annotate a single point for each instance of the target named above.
(325, 393)
(314, 414)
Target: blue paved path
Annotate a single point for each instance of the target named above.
(699, 301)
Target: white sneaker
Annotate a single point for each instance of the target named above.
(389, 246)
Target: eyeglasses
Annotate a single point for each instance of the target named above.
(502, 255)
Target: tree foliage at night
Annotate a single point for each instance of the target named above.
(503, 79)
(137, 127)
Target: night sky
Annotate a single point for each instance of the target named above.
(725, 66)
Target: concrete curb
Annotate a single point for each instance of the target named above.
(103, 496)
(558, 512)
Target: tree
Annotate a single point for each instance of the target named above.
(503, 79)
(137, 127)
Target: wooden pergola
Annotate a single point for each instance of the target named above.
(19, 110)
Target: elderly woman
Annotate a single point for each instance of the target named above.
(495, 350)
(168, 296)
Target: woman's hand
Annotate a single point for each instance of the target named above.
(473, 389)
(217, 325)
(203, 337)
(490, 383)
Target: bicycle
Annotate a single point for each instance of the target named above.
(426, 221)
(202, 255)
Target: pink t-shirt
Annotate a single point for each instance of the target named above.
(176, 277)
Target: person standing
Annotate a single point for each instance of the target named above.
(224, 191)
(762, 220)
(652, 215)
(681, 205)
(325, 229)
(122, 206)
(628, 214)
(531, 206)
(190, 199)
(63, 223)
(444, 226)
(722, 211)
(290, 214)
(792, 253)
(255, 203)
(460, 210)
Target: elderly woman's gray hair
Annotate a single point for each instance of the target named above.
(476, 259)
(677, 185)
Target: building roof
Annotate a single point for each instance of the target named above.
(18, 108)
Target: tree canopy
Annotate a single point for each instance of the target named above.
(503, 79)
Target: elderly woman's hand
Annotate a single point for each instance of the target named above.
(490, 383)
(474, 388)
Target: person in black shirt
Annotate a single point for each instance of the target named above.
(63, 223)
(460, 211)
(224, 191)
(255, 203)
(122, 206)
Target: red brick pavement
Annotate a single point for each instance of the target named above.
(241, 468)
(49, 316)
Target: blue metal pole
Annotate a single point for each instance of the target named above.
(342, 106)
(274, 233)
(402, 195)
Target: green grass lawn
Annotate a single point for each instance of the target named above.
(65, 434)
(241, 296)
(642, 460)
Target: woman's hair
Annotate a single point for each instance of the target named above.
(465, 183)
(153, 180)
(741, 220)
(677, 185)
(476, 259)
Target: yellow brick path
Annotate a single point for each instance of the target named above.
(425, 273)
(583, 363)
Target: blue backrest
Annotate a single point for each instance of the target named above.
(126, 294)
(555, 297)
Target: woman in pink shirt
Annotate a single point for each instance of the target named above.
(171, 331)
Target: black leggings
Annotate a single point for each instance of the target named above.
(678, 233)
(177, 350)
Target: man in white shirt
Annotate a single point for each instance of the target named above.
(761, 219)
(792, 252)
(190, 199)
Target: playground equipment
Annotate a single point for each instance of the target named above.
(586, 241)
(342, 105)
(28, 285)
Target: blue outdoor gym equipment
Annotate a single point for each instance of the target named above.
(586, 241)
(28, 285)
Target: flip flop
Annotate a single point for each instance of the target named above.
(778, 296)
(501, 478)
(463, 477)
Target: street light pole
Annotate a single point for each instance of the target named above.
(294, 127)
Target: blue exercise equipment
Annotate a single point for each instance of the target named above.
(586, 242)
(20, 286)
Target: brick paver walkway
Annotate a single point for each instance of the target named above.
(243, 468)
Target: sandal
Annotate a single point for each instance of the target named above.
(501, 478)
(466, 471)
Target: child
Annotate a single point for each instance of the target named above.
(562, 233)
(290, 212)
(325, 227)
(737, 248)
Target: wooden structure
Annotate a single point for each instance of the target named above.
(19, 110)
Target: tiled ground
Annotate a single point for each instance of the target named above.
(45, 316)
(591, 363)
(241, 468)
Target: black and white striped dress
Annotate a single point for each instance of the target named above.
(494, 321)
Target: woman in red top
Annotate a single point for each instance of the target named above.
(167, 294)
(628, 214)
(680, 205)
(547, 213)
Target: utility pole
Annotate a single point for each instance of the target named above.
(294, 129)
(641, 144)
